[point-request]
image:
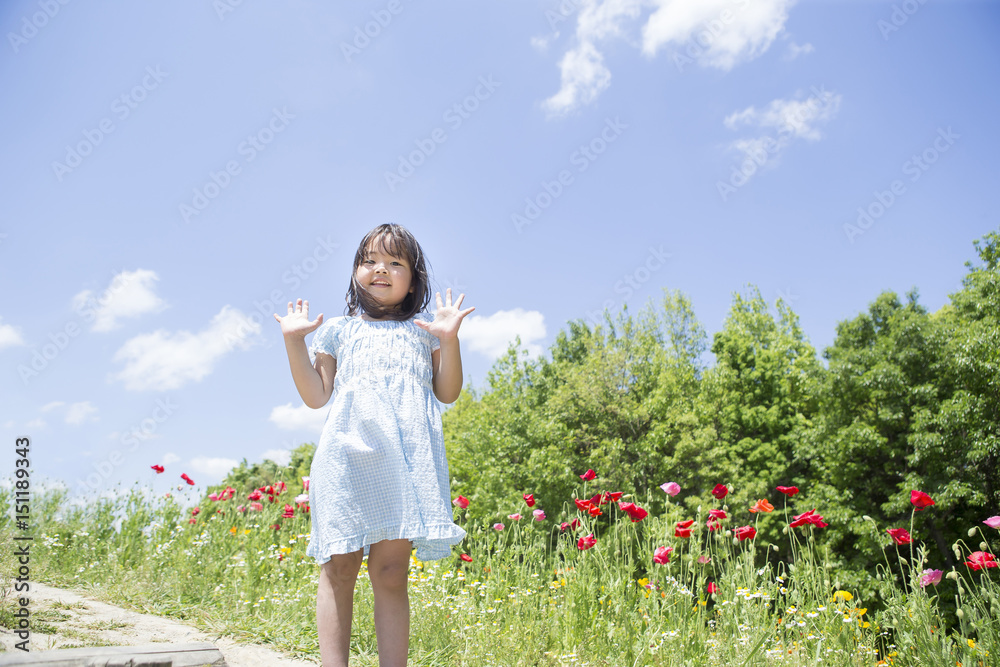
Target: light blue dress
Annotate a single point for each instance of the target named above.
(379, 471)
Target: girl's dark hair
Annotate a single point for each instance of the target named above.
(397, 241)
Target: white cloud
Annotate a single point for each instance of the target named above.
(52, 406)
(795, 117)
(213, 467)
(491, 335)
(301, 418)
(279, 456)
(169, 458)
(795, 50)
(130, 294)
(162, 360)
(78, 413)
(712, 33)
(10, 336)
(35, 424)
(583, 74)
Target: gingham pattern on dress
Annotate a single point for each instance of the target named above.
(380, 472)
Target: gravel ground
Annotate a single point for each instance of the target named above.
(79, 620)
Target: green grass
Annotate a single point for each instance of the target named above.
(530, 596)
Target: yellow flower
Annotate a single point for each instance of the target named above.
(843, 596)
(643, 581)
(972, 643)
(233, 530)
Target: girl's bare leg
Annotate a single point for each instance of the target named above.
(334, 607)
(388, 566)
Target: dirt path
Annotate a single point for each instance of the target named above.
(78, 620)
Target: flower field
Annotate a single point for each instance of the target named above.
(599, 580)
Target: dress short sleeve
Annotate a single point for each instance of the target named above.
(433, 340)
(325, 339)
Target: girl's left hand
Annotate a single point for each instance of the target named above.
(447, 317)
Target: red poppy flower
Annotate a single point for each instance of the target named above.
(682, 532)
(662, 555)
(762, 506)
(466, 557)
(461, 501)
(574, 524)
(920, 499)
(745, 533)
(788, 490)
(529, 499)
(720, 491)
(979, 560)
(582, 505)
(589, 475)
(192, 520)
(809, 517)
(255, 495)
(195, 511)
(586, 542)
(899, 535)
(276, 526)
(280, 487)
(685, 524)
(187, 479)
(157, 468)
(594, 510)
(606, 497)
(713, 524)
(634, 511)
(717, 514)
(289, 512)
(712, 588)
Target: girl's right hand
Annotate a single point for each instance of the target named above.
(296, 322)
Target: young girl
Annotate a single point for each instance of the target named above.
(379, 480)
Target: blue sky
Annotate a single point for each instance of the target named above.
(174, 174)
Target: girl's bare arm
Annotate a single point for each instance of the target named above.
(314, 382)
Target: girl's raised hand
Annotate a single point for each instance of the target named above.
(296, 322)
(447, 317)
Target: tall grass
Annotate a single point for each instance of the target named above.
(530, 595)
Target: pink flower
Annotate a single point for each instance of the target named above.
(241, 508)
(979, 560)
(539, 515)
(498, 526)
(745, 533)
(717, 514)
(529, 499)
(788, 490)
(930, 577)
(213, 496)
(257, 507)
(712, 524)
(586, 542)
(302, 498)
(514, 517)
(671, 488)
(289, 512)
(993, 522)
(920, 499)
(704, 559)
(662, 555)
(461, 501)
(589, 475)
(305, 483)
(720, 491)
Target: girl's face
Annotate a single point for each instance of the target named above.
(386, 277)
